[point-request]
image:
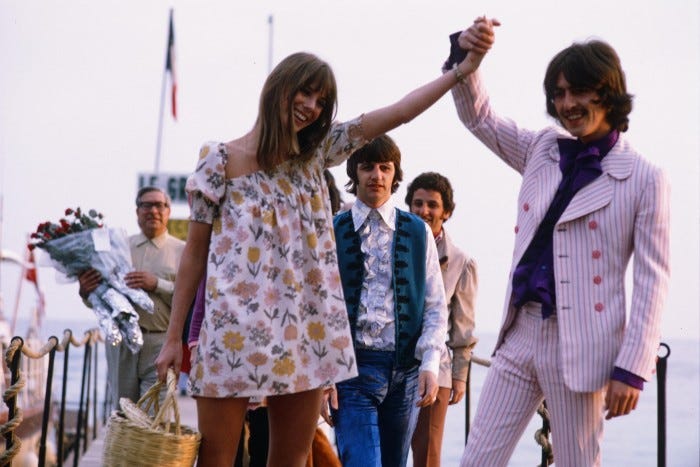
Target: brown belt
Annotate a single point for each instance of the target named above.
(147, 331)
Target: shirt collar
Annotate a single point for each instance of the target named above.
(360, 211)
(158, 241)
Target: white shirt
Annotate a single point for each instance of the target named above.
(375, 327)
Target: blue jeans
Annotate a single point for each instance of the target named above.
(377, 412)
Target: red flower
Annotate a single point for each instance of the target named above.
(75, 221)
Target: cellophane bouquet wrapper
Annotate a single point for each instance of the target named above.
(107, 251)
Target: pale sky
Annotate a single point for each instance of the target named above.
(80, 85)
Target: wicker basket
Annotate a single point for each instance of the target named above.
(132, 441)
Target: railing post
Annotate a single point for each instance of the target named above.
(94, 387)
(68, 334)
(47, 403)
(79, 428)
(661, 405)
(467, 403)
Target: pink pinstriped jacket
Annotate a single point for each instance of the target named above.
(623, 213)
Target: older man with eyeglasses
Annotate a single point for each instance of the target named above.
(155, 255)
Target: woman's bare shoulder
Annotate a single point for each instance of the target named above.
(242, 158)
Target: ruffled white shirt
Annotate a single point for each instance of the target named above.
(375, 327)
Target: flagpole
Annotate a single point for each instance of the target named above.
(160, 123)
(159, 136)
(270, 22)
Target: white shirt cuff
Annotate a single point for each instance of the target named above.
(430, 361)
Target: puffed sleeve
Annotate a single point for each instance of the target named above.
(206, 186)
(342, 140)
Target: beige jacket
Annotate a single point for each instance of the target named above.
(460, 279)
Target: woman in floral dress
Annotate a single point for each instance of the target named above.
(275, 323)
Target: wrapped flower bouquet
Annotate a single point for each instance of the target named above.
(79, 242)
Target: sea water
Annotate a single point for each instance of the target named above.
(629, 440)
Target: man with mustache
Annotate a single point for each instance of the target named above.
(588, 203)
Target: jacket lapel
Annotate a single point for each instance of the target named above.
(617, 165)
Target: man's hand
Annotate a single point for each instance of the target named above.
(620, 399)
(459, 387)
(88, 280)
(427, 388)
(330, 397)
(141, 280)
(479, 37)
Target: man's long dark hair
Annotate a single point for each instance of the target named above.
(592, 65)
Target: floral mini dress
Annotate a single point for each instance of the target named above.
(275, 320)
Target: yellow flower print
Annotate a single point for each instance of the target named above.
(199, 371)
(212, 291)
(284, 185)
(237, 197)
(233, 341)
(253, 254)
(312, 240)
(216, 225)
(288, 277)
(269, 218)
(283, 366)
(203, 152)
(316, 203)
(316, 330)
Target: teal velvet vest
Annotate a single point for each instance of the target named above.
(408, 278)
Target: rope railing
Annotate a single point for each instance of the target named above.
(18, 381)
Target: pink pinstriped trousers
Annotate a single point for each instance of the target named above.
(526, 370)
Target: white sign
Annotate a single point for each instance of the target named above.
(173, 184)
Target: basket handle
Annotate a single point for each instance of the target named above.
(151, 399)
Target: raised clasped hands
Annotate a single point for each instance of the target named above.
(478, 39)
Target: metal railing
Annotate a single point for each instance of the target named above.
(31, 373)
(26, 377)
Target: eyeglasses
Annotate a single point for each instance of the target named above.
(146, 205)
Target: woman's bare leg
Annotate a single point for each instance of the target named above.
(293, 421)
(220, 422)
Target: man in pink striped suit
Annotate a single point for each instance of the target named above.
(588, 203)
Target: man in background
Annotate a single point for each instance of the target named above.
(430, 196)
(155, 255)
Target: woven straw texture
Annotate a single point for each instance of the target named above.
(135, 439)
